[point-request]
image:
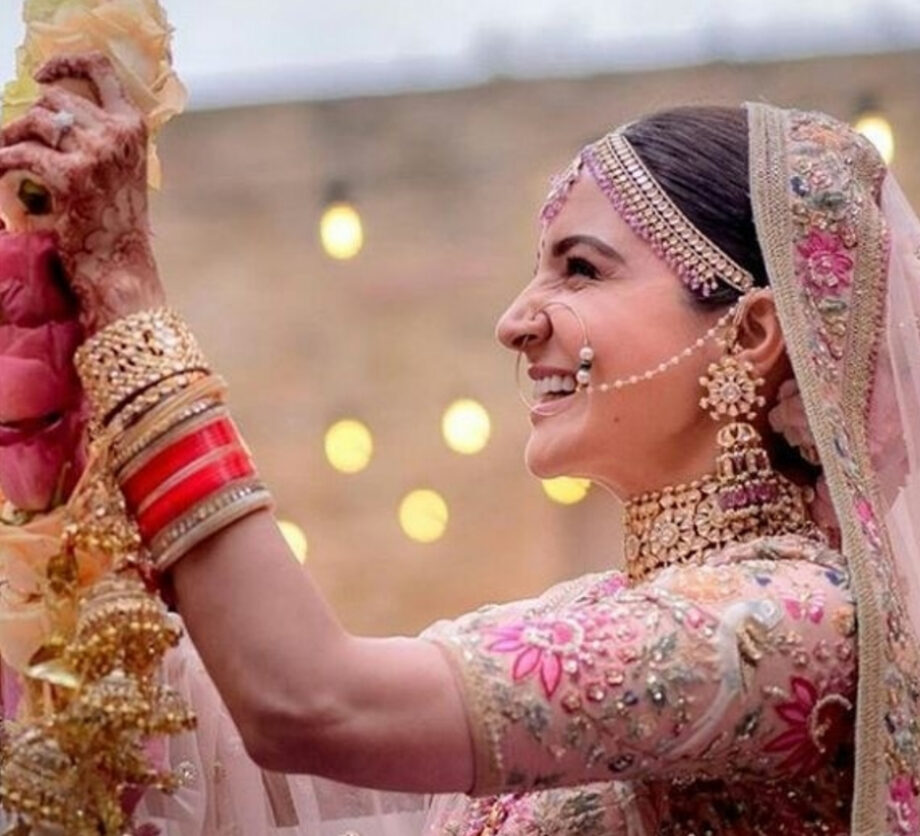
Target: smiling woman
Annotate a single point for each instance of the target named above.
(713, 686)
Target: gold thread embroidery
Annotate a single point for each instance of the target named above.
(769, 200)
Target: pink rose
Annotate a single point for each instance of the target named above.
(826, 266)
(902, 801)
(41, 403)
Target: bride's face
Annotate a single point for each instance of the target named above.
(637, 314)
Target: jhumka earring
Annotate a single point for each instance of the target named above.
(748, 488)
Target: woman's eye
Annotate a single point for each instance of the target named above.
(575, 266)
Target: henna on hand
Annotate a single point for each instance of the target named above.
(95, 172)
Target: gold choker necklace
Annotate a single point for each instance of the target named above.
(743, 500)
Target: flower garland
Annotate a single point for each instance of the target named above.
(86, 634)
(81, 627)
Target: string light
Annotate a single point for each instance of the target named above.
(566, 490)
(296, 539)
(873, 125)
(423, 515)
(466, 426)
(349, 445)
(341, 231)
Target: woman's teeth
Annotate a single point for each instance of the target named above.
(554, 385)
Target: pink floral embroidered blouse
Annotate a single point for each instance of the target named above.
(707, 700)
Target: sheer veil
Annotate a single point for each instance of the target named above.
(895, 415)
(224, 792)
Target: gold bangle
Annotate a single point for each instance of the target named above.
(122, 455)
(201, 394)
(149, 398)
(133, 354)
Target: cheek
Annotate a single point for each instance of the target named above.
(658, 408)
(629, 349)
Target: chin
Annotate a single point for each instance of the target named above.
(558, 443)
(547, 458)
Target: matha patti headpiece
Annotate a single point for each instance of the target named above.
(650, 212)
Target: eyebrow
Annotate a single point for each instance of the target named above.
(564, 245)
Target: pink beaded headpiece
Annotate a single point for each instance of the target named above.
(650, 212)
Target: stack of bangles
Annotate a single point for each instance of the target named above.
(176, 454)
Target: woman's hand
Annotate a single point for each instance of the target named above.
(90, 153)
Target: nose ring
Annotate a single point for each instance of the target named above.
(585, 353)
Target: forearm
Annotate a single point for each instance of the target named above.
(305, 694)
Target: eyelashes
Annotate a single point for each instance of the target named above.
(575, 266)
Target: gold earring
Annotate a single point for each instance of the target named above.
(748, 489)
(731, 385)
(731, 392)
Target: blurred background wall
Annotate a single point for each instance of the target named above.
(446, 184)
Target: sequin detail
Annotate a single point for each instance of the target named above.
(687, 681)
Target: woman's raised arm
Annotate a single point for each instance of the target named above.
(306, 695)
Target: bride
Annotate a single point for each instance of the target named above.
(722, 330)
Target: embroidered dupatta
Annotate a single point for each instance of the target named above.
(840, 245)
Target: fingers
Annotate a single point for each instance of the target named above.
(85, 112)
(41, 162)
(53, 119)
(41, 125)
(95, 68)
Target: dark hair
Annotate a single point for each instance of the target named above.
(699, 156)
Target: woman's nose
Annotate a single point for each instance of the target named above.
(523, 323)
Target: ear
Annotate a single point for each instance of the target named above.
(761, 337)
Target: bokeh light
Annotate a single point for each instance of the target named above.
(349, 445)
(423, 515)
(340, 231)
(566, 490)
(296, 539)
(877, 129)
(466, 426)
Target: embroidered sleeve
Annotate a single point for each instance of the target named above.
(746, 668)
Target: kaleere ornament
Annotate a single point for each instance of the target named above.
(92, 692)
